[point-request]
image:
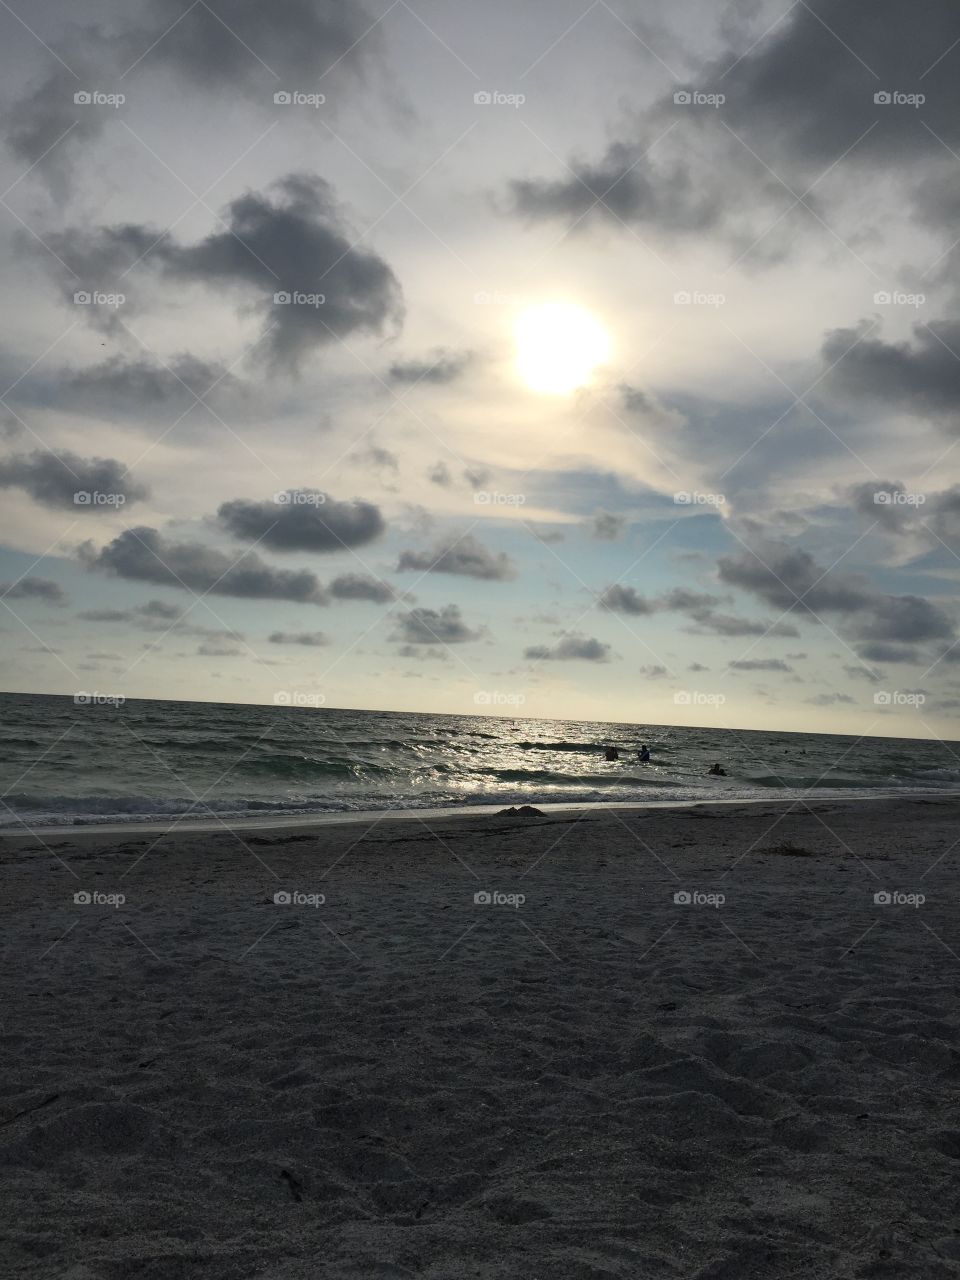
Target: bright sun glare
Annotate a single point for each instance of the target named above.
(558, 347)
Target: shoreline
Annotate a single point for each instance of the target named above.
(469, 815)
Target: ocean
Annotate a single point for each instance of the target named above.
(62, 763)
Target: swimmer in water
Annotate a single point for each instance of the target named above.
(716, 771)
(644, 753)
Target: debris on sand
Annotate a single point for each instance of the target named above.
(525, 811)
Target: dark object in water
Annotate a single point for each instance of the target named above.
(788, 850)
(611, 753)
(525, 811)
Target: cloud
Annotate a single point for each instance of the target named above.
(697, 604)
(922, 376)
(424, 654)
(360, 586)
(299, 524)
(620, 599)
(432, 626)
(465, 556)
(42, 589)
(710, 622)
(570, 648)
(476, 477)
(210, 649)
(791, 580)
(378, 457)
(56, 480)
(267, 248)
(312, 639)
(878, 651)
(760, 664)
(439, 474)
(653, 672)
(869, 674)
(143, 554)
(125, 388)
(606, 527)
(440, 368)
(830, 699)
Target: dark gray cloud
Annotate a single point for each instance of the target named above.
(213, 649)
(476, 477)
(620, 599)
(439, 474)
(922, 376)
(465, 556)
(760, 664)
(570, 648)
(66, 480)
(433, 626)
(42, 589)
(699, 605)
(274, 251)
(791, 580)
(375, 455)
(830, 699)
(423, 654)
(311, 639)
(360, 586)
(125, 388)
(440, 367)
(145, 555)
(307, 520)
(653, 672)
(712, 622)
(879, 651)
(607, 527)
(870, 674)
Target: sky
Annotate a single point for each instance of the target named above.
(578, 360)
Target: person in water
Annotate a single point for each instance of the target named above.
(644, 752)
(611, 753)
(716, 771)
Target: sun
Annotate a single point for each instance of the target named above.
(558, 347)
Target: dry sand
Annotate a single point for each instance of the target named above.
(598, 1082)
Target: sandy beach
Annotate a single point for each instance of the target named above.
(584, 1075)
